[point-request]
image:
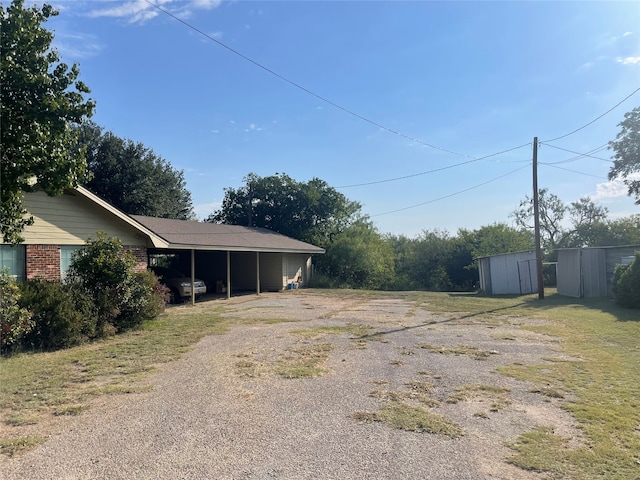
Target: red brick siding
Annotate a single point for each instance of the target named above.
(140, 254)
(42, 261)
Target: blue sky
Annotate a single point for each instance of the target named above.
(389, 81)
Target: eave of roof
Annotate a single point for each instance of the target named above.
(155, 239)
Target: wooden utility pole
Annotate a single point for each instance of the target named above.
(536, 220)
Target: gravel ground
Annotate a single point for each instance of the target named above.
(222, 412)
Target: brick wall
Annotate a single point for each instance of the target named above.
(42, 261)
(140, 254)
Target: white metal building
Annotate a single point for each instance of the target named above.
(588, 272)
(509, 273)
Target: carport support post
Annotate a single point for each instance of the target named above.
(228, 274)
(193, 276)
(257, 273)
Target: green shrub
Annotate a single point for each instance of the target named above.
(15, 321)
(145, 303)
(58, 323)
(626, 283)
(121, 298)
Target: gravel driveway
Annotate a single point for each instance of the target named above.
(223, 411)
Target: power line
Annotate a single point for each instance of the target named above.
(304, 89)
(573, 171)
(435, 169)
(451, 194)
(595, 119)
(580, 155)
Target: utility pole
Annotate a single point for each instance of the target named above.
(536, 219)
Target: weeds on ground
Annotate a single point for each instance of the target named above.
(304, 361)
(468, 350)
(403, 416)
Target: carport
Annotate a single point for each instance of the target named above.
(240, 258)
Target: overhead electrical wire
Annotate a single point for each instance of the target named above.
(451, 194)
(395, 132)
(572, 171)
(595, 119)
(434, 170)
(579, 155)
(304, 89)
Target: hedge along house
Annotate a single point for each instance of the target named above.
(588, 272)
(508, 273)
(242, 258)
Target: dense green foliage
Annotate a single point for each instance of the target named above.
(101, 295)
(132, 177)
(58, 321)
(626, 284)
(357, 257)
(41, 99)
(121, 298)
(626, 157)
(309, 211)
(15, 321)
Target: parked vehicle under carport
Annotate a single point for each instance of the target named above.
(179, 284)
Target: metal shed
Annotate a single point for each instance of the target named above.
(509, 273)
(588, 272)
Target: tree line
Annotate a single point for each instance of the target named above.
(50, 143)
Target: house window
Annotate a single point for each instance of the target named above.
(12, 259)
(66, 255)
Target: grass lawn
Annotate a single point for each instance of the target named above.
(599, 385)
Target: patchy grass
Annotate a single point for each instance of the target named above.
(403, 416)
(468, 350)
(34, 386)
(13, 446)
(417, 392)
(304, 361)
(497, 395)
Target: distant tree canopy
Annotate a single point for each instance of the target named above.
(309, 211)
(626, 156)
(41, 99)
(132, 177)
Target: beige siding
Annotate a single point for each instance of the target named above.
(296, 268)
(70, 219)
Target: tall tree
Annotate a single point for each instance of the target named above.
(132, 177)
(626, 157)
(555, 232)
(41, 99)
(310, 211)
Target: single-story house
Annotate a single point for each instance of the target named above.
(240, 258)
(588, 272)
(508, 273)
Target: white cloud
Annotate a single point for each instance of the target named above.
(613, 188)
(139, 11)
(76, 46)
(626, 34)
(205, 4)
(629, 60)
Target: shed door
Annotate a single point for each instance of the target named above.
(526, 274)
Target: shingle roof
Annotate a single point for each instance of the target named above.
(211, 236)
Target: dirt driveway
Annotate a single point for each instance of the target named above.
(239, 405)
